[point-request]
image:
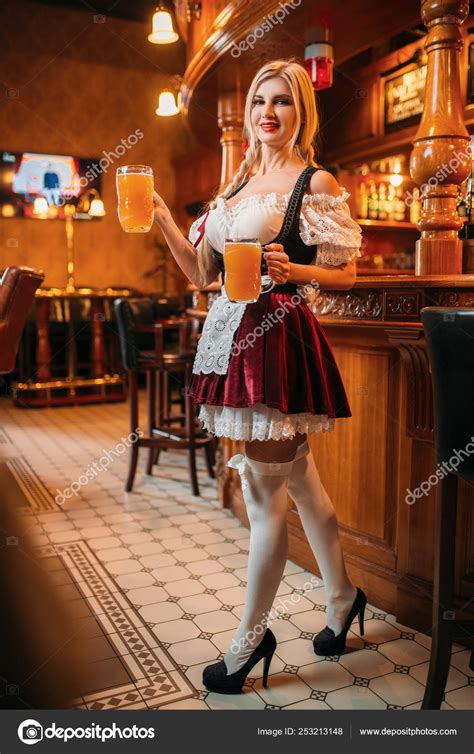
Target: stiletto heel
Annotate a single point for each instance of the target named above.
(266, 668)
(327, 643)
(215, 677)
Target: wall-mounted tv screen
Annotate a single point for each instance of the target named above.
(39, 185)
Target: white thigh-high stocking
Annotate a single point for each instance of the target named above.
(319, 521)
(264, 488)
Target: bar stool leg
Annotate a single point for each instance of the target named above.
(165, 394)
(159, 410)
(151, 407)
(190, 428)
(443, 588)
(209, 460)
(133, 411)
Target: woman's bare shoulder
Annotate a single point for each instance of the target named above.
(323, 182)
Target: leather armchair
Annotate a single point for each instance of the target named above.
(17, 290)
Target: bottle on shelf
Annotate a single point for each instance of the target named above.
(363, 201)
(391, 203)
(461, 205)
(373, 205)
(399, 206)
(383, 213)
(415, 207)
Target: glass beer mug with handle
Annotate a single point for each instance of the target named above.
(135, 198)
(243, 281)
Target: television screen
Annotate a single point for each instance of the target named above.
(39, 185)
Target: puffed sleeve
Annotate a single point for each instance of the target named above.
(326, 221)
(194, 232)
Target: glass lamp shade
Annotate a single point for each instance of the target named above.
(97, 208)
(40, 206)
(167, 104)
(319, 63)
(163, 32)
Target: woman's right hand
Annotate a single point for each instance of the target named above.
(161, 211)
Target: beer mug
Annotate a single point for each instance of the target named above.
(243, 281)
(135, 198)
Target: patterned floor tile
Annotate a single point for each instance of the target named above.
(163, 575)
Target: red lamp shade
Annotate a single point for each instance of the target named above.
(319, 57)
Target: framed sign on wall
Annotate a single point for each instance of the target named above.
(403, 98)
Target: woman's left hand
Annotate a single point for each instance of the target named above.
(278, 263)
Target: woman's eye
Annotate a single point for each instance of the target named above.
(280, 100)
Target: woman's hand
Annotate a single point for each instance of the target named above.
(278, 263)
(161, 211)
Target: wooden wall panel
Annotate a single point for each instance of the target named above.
(353, 461)
(82, 88)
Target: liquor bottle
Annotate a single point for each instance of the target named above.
(363, 201)
(373, 201)
(461, 205)
(399, 206)
(467, 230)
(415, 208)
(391, 203)
(383, 214)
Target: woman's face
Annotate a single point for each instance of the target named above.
(273, 113)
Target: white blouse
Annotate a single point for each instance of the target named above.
(325, 221)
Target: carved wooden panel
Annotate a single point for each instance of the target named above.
(351, 305)
(403, 305)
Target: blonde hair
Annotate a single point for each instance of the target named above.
(302, 142)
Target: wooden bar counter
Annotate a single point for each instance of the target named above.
(371, 461)
(374, 461)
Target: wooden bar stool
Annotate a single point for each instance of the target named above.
(168, 361)
(450, 341)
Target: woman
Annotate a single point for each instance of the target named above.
(272, 385)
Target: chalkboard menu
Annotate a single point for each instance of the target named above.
(403, 98)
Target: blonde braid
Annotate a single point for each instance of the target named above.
(205, 257)
(302, 142)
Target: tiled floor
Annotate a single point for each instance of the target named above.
(158, 577)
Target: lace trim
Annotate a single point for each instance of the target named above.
(335, 226)
(260, 422)
(215, 343)
(280, 201)
(329, 253)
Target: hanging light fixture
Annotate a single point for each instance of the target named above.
(163, 32)
(319, 56)
(167, 104)
(40, 206)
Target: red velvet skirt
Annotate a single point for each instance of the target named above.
(289, 366)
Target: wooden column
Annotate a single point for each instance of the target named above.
(440, 161)
(230, 117)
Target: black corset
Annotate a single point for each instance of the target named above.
(289, 234)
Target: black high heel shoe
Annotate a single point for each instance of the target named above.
(327, 643)
(215, 676)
